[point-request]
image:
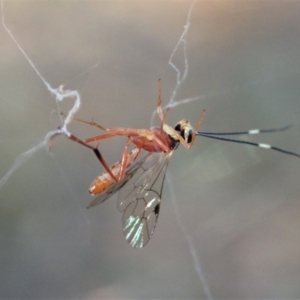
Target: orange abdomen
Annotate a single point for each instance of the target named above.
(99, 185)
(103, 182)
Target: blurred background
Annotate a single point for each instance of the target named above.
(239, 204)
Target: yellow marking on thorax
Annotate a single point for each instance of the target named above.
(145, 133)
(170, 131)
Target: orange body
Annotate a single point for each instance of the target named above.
(104, 181)
(160, 143)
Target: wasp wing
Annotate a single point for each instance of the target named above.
(139, 199)
(116, 186)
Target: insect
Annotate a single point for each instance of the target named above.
(140, 181)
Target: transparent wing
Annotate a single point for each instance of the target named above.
(116, 186)
(139, 199)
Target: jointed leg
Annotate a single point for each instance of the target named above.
(160, 113)
(92, 123)
(99, 137)
(114, 131)
(127, 160)
(198, 126)
(124, 161)
(95, 150)
(119, 131)
(159, 102)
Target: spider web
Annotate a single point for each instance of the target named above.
(67, 66)
(60, 94)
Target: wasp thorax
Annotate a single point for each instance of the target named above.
(185, 129)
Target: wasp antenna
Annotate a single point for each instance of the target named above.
(247, 132)
(260, 145)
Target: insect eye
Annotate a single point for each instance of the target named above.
(189, 136)
(182, 133)
(178, 127)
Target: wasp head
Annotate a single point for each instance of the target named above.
(185, 129)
